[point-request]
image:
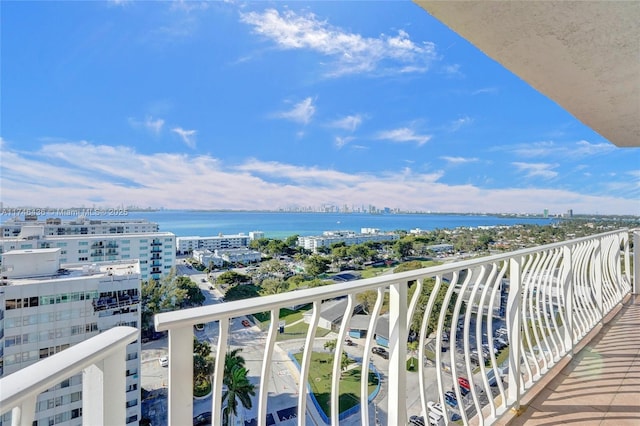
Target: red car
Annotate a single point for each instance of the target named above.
(246, 323)
(464, 383)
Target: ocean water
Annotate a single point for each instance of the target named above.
(281, 225)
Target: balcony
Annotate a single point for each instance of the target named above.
(544, 302)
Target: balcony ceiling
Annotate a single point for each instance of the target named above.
(585, 55)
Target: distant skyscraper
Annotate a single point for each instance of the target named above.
(570, 213)
(546, 213)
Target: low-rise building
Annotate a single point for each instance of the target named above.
(186, 245)
(328, 238)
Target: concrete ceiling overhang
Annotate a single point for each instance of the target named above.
(584, 55)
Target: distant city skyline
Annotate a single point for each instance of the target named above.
(284, 106)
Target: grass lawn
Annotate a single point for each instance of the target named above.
(300, 330)
(287, 315)
(320, 382)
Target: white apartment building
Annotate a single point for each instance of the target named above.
(219, 257)
(47, 308)
(348, 237)
(13, 227)
(155, 250)
(186, 245)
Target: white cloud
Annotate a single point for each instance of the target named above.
(302, 112)
(578, 149)
(151, 125)
(65, 174)
(188, 136)
(352, 53)
(452, 70)
(542, 170)
(349, 123)
(485, 90)
(403, 134)
(342, 141)
(459, 123)
(459, 160)
(585, 148)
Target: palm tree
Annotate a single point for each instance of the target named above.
(239, 388)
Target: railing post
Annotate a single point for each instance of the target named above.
(397, 397)
(636, 262)
(567, 293)
(514, 328)
(181, 376)
(104, 391)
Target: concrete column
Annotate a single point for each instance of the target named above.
(104, 391)
(181, 376)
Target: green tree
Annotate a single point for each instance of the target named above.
(316, 265)
(330, 345)
(203, 365)
(194, 296)
(345, 361)
(232, 278)
(240, 292)
(291, 241)
(160, 296)
(403, 248)
(273, 286)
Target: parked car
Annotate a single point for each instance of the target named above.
(381, 352)
(246, 323)
(164, 361)
(450, 399)
(417, 421)
(349, 342)
(203, 419)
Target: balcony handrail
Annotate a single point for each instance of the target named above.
(185, 317)
(560, 290)
(25, 384)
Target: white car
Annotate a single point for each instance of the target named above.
(164, 361)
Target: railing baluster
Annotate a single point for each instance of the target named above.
(266, 366)
(397, 391)
(368, 345)
(218, 373)
(306, 362)
(25, 413)
(514, 327)
(337, 361)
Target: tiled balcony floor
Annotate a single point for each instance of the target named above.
(601, 385)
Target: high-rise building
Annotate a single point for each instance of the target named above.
(47, 308)
(155, 250)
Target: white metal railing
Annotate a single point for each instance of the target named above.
(101, 359)
(547, 298)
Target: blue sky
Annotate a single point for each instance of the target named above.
(266, 105)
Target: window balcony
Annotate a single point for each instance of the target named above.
(519, 315)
